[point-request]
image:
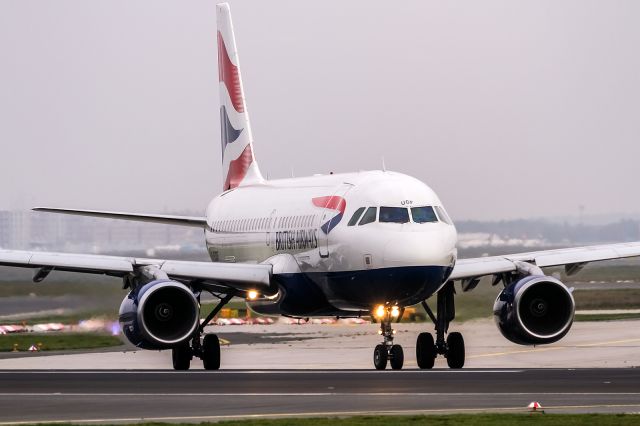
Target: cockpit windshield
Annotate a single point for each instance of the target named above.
(443, 215)
(369, 216)
(356, 216)
(423, 214)
(394, 214)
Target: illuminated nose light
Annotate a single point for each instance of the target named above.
(252, 295)
(380, 311)
(395, 312)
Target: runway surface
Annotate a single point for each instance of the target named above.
(112, 396)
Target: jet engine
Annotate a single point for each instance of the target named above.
(159, 315)
(536, 309)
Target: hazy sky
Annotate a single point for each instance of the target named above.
(507, 109)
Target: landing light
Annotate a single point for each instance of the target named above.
(395, 312)
(252, 295)
(380, 311)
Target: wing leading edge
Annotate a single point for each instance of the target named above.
(571, 258)
(238, 276)
(196, 222)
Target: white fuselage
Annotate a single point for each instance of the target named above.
(301, 226)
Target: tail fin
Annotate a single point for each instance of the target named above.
(239, 166)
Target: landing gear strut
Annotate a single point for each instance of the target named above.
(208, 350)
(387, 351)
(453, 346)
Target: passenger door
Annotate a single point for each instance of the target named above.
(330, 213)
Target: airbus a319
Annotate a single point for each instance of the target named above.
(346, 245)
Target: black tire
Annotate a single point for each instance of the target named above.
(211, 352)
(425, 351)
(455, 350)
(380, 357)
(397, 357)
(181, 356)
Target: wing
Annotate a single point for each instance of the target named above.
(197, 222)
(573, 260)
(238, 276)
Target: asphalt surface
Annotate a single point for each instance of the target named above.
(113, 396)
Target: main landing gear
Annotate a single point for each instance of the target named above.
(453, 347)
(207, 348)
(387, 351)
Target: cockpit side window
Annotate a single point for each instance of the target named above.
(423, 214)
(369, 216)
(444, 216)
(356, 216)
(394, 214)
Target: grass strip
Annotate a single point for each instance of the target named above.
(56, 341)
(537, 419)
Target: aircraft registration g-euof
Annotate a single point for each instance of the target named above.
(345, 245)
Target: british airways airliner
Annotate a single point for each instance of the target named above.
(344, 245)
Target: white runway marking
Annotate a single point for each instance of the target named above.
(310, 394)
(196, 372)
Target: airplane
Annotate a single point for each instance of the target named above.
(365, 244)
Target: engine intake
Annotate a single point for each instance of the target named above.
(537, 309)
(159, 315)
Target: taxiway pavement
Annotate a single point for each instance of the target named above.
(602, 344)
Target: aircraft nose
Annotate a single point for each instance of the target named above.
(419, 248)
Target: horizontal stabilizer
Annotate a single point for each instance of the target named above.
(196, 222)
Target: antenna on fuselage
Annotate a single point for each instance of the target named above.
(384, 166)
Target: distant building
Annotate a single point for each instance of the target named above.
(26, 230)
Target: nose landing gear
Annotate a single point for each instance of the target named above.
(387, 351)
(453, 347)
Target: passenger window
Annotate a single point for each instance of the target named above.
(369, 216)
(356, 216)
(394, 214)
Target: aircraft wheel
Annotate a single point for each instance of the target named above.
(397, 357)
(181, 356)
(455, 350)
(211, 352)
(425, 351)
(380, 357)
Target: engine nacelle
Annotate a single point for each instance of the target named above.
(159, 315)
(534, 310)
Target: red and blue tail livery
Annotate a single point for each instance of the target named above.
(239, 165)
